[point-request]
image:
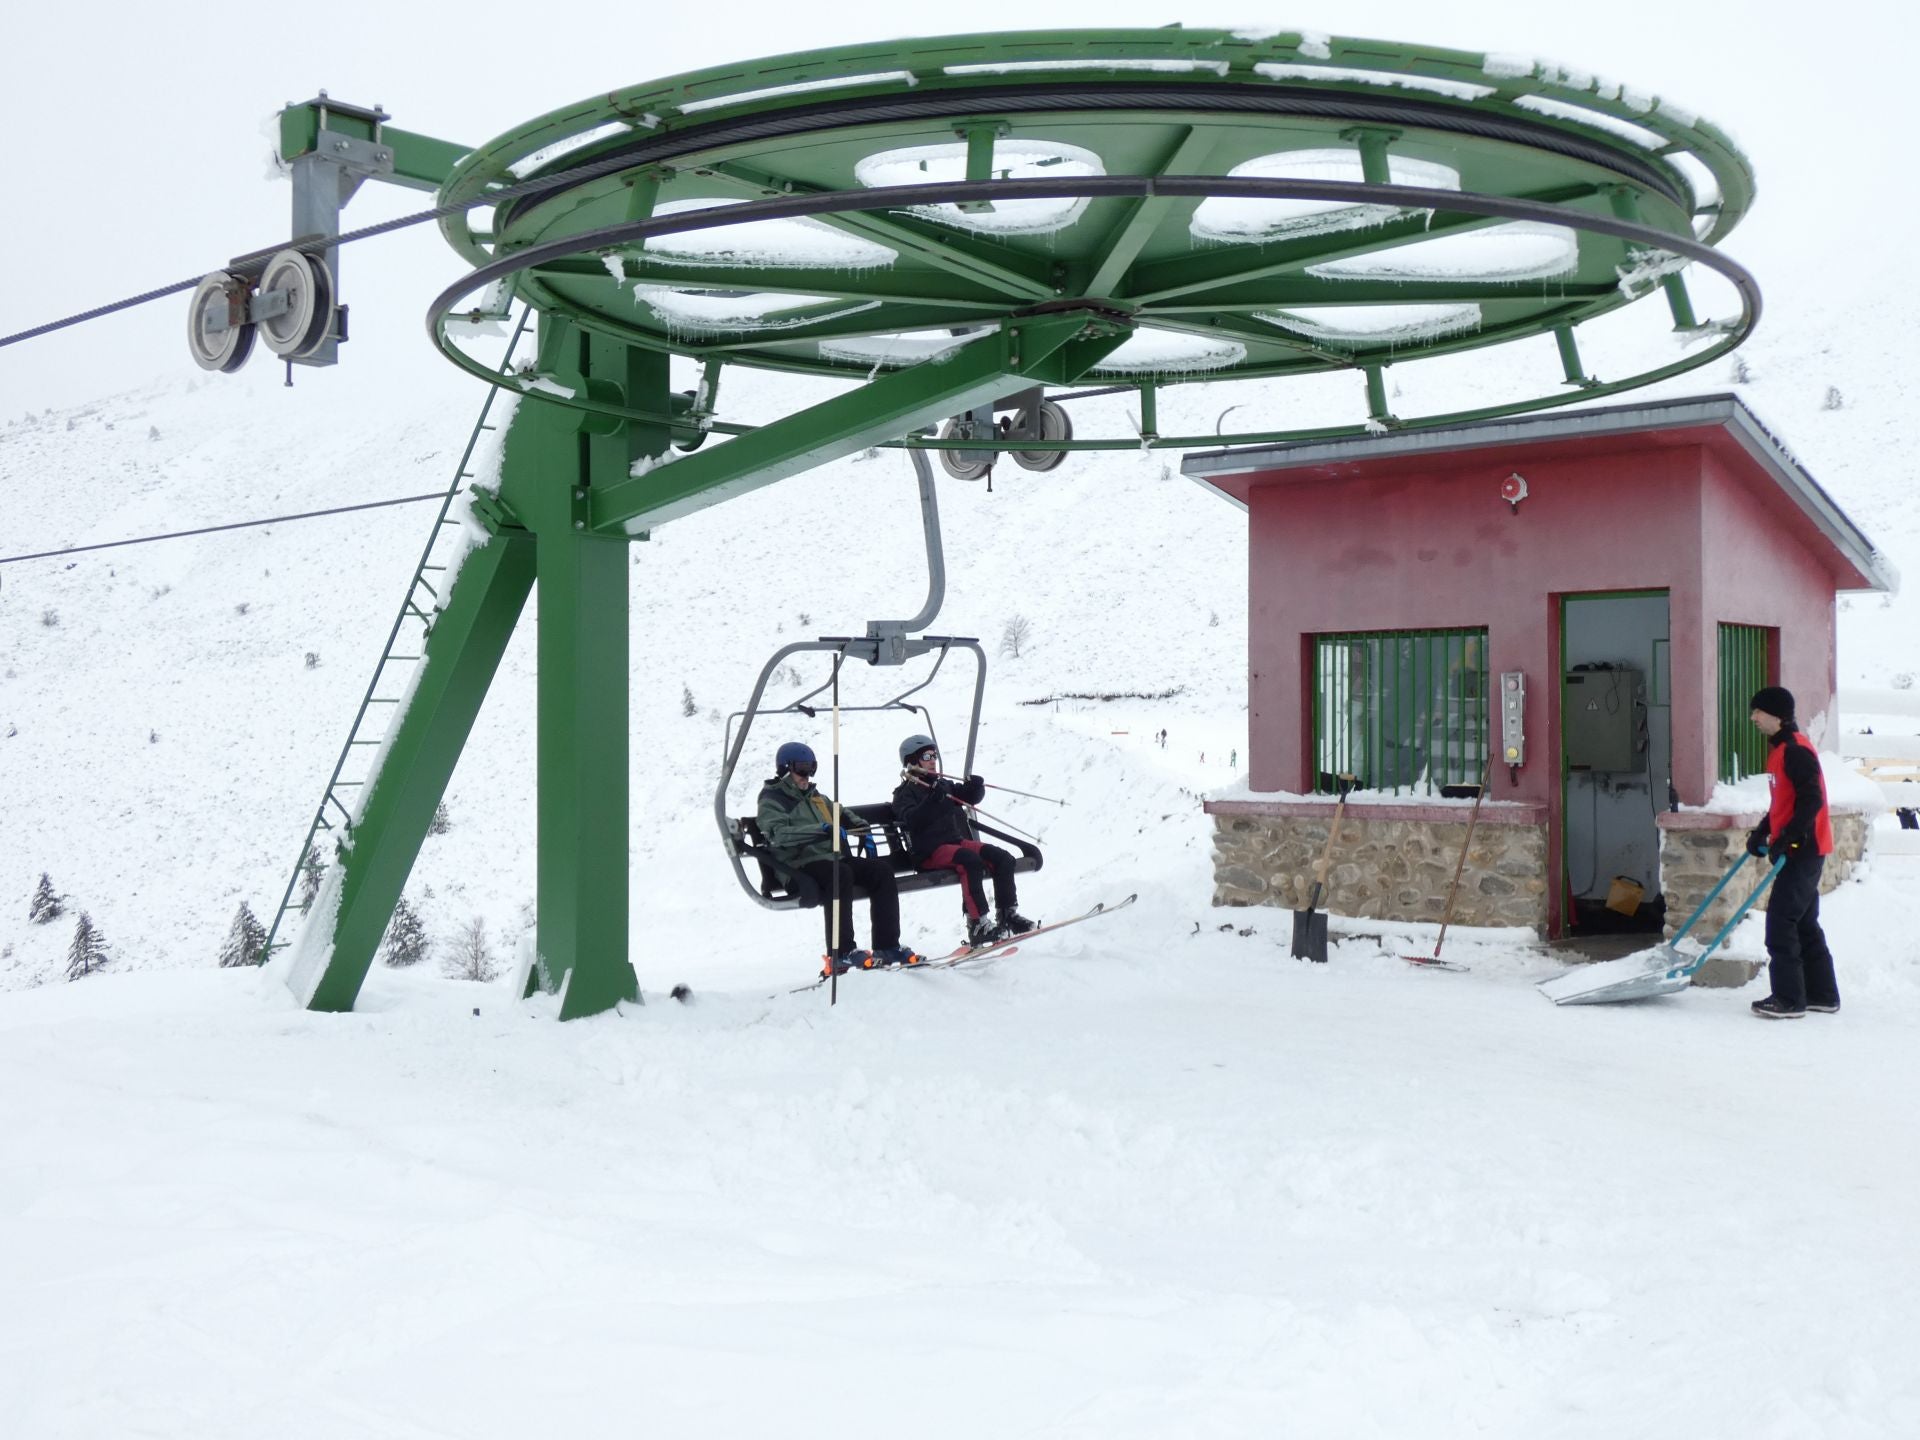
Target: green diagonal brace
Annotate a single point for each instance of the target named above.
(1144, 216)
(881, 411)
(463, 650)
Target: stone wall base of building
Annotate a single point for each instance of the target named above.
(1395, 866)
(1695, 851)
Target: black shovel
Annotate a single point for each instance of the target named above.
(1310, 924)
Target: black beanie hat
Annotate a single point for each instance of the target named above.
(1775, 700)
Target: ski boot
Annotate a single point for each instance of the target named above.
(841, 964)
(895, 955)
(1011, 923)
(982, 932)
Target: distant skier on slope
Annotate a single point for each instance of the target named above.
(797, 821)
(933, 818)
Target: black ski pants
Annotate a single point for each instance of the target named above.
(872, 878)
(971, 858)
(1801, 966)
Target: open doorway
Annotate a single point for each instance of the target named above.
(1616, 752)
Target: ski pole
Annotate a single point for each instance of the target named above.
(1028, 794)
(833, 985)
(1003, 824)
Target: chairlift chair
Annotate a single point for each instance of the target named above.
(887, 642)
(781, 886)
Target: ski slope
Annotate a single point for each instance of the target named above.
(1147, 1178)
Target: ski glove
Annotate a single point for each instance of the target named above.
(868, 848)
(1757, 842)
(1790, 843)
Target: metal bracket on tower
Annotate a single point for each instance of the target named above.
(324, 180)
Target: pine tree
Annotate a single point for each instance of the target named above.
(244, 939)
(406, 935)
(88, 952)
(310, 872)
(687, 707)
(45, 905)
(441, 822)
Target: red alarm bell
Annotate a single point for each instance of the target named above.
(1513, 490)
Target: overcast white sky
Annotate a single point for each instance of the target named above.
(135, 154)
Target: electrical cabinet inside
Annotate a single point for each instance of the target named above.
(1604, 710)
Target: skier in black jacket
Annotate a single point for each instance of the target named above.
(935, 822)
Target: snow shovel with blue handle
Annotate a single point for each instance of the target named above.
(1661, 970)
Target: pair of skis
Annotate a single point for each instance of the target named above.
(969, 954)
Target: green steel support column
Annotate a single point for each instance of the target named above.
(1373, 143)
(980, 137)
(641, 199)
(584, 662)
(1570, 357)
(1626, 206)
(1149, 411)
(1679, 302)
(462, 652)
(1376, 394)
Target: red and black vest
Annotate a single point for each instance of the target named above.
(1780, 813)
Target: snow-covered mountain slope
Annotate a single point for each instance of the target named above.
(1146, 1178)
(164, 738)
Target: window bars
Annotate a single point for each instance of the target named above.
(1400, 709)
(1744, 668)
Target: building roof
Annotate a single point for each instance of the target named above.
(1230, 473)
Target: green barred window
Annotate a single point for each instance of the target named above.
(1743, 670)
(1400, 709)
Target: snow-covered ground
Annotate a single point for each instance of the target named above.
(1146, 1178)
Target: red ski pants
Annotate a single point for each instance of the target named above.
(974, 861)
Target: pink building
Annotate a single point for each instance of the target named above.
(1624, 577)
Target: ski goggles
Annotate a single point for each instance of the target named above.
(803, 768)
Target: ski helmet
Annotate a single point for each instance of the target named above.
(913, 745)
(791, 754)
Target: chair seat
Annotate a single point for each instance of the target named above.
(786, 888)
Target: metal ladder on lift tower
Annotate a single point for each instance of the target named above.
(406, 644)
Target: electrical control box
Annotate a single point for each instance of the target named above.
(1513, 718)
(1602, 719)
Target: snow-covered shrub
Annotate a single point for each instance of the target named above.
(472, 954)
(311, 869)
(88, 952)
(245, 937)
(45, 905)
(1014, 635)
(407, 941)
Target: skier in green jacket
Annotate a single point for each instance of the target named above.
(798, 823)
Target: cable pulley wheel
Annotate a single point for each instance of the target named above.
(950, 460)
(304, 325)
(219, 336)
(1054, 424)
